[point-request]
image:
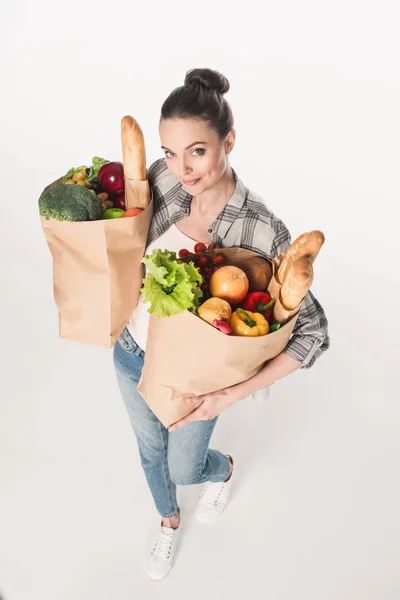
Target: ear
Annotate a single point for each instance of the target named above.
(230, 141)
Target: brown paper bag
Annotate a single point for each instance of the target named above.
(274, 287)
(185, 356)
(97, 269)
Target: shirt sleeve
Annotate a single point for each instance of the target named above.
(310, 337)
(155, 170)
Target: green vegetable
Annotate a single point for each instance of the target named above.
(91, 172)
(171, 286)
(95, 168)
(69, 203)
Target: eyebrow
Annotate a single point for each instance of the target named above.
(187, 147)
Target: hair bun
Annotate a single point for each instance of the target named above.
(212, 80)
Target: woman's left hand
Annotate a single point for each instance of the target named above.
(210, 406)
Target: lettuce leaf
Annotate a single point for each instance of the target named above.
(170, 286)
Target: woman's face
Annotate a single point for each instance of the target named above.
(194, 153)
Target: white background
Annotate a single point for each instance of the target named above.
(315, 93)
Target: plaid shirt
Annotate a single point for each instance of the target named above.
(245, 222)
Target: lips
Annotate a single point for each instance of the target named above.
(191, 181)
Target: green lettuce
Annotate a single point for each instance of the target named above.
(170, 286)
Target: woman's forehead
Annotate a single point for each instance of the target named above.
(182, 132)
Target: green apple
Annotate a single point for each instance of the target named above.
(113, 213)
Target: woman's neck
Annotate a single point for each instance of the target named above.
(214, 201)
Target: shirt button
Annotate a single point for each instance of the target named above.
(209, 230)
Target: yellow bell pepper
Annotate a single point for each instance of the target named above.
(244, 322)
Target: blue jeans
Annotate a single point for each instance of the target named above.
(179, 457)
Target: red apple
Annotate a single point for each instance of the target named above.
(118, 199)
(111, 177)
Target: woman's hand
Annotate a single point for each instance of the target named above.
(210, 405)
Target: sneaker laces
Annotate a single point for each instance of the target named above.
(211, 494)
(163, 544)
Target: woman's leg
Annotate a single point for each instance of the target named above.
(152, 436)
(189, 459)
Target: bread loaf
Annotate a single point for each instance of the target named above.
(306, 245)
(297, 283)
(133, 149)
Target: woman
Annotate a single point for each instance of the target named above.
(198, 197)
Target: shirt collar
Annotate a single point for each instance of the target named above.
(226, 217)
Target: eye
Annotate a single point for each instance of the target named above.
(201, 150)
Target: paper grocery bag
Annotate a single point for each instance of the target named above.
(185, 356)
(274, 287)
(97, 269)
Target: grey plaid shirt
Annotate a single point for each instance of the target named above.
(245, 222)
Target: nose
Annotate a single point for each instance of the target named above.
(184, 167)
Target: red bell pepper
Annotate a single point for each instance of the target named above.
(259, 302)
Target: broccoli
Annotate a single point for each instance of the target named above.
(69, 203)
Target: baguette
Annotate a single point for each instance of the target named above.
(307, 244)
(133, 149)
(297, 283)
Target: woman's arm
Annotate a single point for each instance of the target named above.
(310, 337)
(214, 403)
(309, 340)
(278, 367)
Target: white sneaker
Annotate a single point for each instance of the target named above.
(214, 498)
(160, 560)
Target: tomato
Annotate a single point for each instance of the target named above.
(202, 261)
(214, 246)
(183, 253)
(199, 247)
(219, 259)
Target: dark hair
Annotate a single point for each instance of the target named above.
(201, 97)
